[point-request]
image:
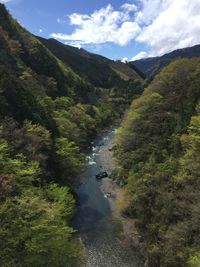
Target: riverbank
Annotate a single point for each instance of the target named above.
(129, 231)
(98, 228)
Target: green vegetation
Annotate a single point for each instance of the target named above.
(100, 71)
(53, 101)
(158, 149)
(34, 218)
(48, 117)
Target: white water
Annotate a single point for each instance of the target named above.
(96, 227)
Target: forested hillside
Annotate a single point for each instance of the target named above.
(48, 116)
(153, 65)
(100, 71)
(54, 100)
(158, 150)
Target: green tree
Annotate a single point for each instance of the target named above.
(70, 159)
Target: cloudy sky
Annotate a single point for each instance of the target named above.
(118, 29)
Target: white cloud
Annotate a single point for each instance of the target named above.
(149, 10)
(77, 45)
(5, 1)
(177, 26)
(124, 60)
(162, 25)
(142, 54)
(40, 30)
(103, 25)
(129, 7)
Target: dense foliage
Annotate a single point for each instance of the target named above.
(158, 148)
(100, 71)
(49, 113)
(48, 117)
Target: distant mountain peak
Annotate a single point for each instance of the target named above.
(152, 65)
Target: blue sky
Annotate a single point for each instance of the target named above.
(117, 29)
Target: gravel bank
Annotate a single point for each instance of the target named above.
(109, 186)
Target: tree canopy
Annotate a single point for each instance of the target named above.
(158, 150)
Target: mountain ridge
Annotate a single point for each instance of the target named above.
(107, 70)
(152, 65)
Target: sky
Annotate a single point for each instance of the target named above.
(117, 29)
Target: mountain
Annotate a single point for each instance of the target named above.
(26, 63)
(53, 70)
(158, 152)
(151, 66)
(54, 99)
(49, 114)
(98, 70)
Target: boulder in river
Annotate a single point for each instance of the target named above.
(101, 175)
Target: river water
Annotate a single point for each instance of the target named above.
(95, 224)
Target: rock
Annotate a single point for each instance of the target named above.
(101, 175)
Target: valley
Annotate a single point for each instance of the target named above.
(98, 227)
(99, 159)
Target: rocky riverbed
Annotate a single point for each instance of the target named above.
(99, 225)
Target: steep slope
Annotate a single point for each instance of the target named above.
(97, 69)
(32, 54)
(29, 70)
(47, 119)
(125, 71)
(34, 70)
(38, 154)
(158, 150)
(151, 66)
(48, 116)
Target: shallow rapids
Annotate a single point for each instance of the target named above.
(95, 224)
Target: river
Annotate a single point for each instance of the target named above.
(94, 220)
